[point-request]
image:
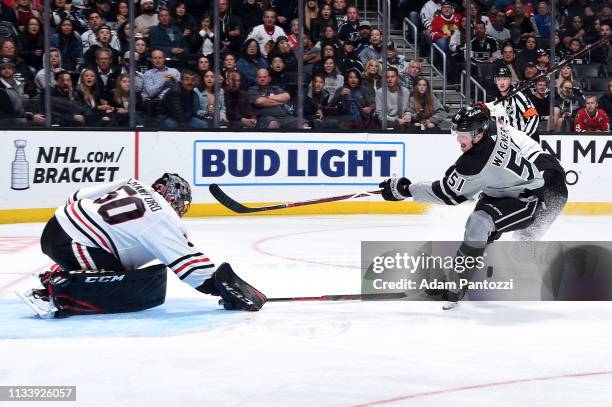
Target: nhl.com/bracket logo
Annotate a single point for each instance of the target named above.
(63, 165)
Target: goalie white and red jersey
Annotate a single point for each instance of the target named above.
(135, 224)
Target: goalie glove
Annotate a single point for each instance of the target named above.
(395, 189)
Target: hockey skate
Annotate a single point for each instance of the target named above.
(235, 293)
(38, 300)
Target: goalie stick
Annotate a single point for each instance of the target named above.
(237, 207)
(526, 84)
(343, 297)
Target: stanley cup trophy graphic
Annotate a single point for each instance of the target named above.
(20, 177)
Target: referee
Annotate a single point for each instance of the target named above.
(522, 114)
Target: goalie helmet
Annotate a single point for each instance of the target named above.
(175, 190)
(472, 119)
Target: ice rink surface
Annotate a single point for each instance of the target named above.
(189, 352)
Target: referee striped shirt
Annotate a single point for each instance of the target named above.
(522, 114)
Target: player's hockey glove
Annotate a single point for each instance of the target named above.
(236, 294)
(395, 189)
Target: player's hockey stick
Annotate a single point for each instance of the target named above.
(237, 207)
(526, 84)
(343, 297)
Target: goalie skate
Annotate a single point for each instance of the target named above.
(38, 301)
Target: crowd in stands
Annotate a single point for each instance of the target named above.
(516, 34)
(342, 61)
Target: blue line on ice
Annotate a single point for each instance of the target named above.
(177, 316)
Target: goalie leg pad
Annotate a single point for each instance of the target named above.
(82, 292)
(235, 293)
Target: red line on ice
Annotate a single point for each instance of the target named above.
(480, 386)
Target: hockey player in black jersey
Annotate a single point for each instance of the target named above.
(102, 237)
(519, 188)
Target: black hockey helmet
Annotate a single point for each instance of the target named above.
(503, 72)
(472, 119)
(175, 190)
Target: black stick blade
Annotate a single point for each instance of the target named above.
(228, 202)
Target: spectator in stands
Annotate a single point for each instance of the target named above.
(106, 73)
(69, 44)
(23, 73)
(332, 77)
(143, 62)
(605, 101)
(413, 74)
(516, 40)
(283, 50)
(160, 78)
(328, 51)
(250, 13)
(249, 62)
(399, 62)
(508, 60)
(529, 53)
(540, 97)
(398, 102)
(484, 47)
(569, 101)
(103, 36)
(168, 37)
(355, 103)
(591, 118)
(280, 77)
(88, 38)
(603, 55)
(350, 29)
(267, 33)
(202, 41)
(374, 49)
(65, 110)
(271, 104)
(8, 15)
(329, 38)
(122, 12)
(148, 17)
(521, 18)
(339, 10)
(32, 43)
(293, 38)
(543, 20)
(231, 29)
(239, 111)
(530, 71)
(426, 111)
(575, 46)
(497, 28)
(108, 15)
(316, 105)
(566, 73)
(13, 92)
(183, 20)
(349, 59)
(56, 66)
(209, 104)
(574, 31)
(180, 104)
(138, 76)
(87, 94)
(444, 25)
(311, 55)
(365, 29)
(62, 9)
(285, 11)
(24, 12)
(371, 78)
(228, 66)
(542, 61)
(324, 19)
(311, 12)
(428, 12)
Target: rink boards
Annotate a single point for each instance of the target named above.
(43, 168)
